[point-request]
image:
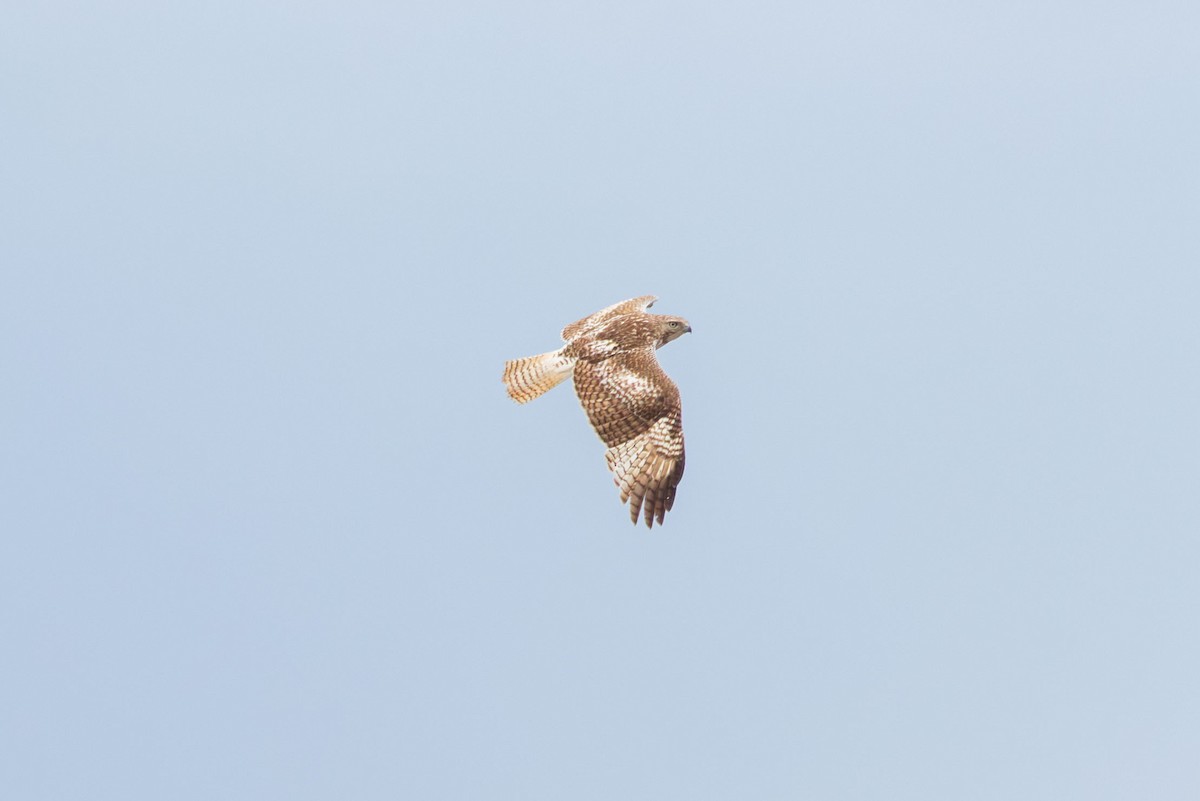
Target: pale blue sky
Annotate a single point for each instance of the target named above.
(271, 528)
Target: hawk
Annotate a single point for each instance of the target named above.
(629, 400)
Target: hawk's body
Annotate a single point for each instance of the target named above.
(630, 401)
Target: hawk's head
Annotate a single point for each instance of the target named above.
(671, 328)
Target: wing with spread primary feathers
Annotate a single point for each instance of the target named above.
(634, 408)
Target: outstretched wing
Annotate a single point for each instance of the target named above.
(634, 408)
(648, 468)
(606, 314)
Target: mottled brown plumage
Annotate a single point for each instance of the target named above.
(631, 403)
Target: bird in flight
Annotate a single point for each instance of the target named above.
(631, 403)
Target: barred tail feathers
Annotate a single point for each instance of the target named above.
(526, 379)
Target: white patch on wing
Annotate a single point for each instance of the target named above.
(599, 348)
(631, 384)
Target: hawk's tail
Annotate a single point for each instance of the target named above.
(527, 378)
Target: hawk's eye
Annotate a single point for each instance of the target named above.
(673, 324)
